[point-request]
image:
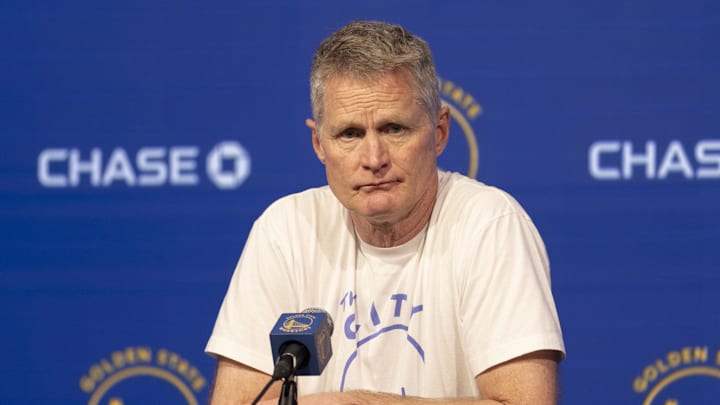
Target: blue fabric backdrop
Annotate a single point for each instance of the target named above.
(139, 140)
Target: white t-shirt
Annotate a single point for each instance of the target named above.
(421, 319)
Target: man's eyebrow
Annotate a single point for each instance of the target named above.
(335, 129)
(392, 121)
(404, 119)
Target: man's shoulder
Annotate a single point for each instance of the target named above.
(306, 218)
(459, 193)
(309, 205)
(321, 196)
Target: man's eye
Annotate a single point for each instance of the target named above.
(349, 134)
(394, 129)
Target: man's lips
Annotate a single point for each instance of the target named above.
(381, 185)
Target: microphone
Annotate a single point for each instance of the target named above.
(301, 342)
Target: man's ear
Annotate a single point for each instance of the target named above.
(319, 152)
(442, 132)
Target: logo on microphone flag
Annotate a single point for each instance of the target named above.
(297, 323)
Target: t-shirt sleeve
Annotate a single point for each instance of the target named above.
(252, 304)
(507, 307)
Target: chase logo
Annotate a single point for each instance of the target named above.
(690, 375)
(463, 109)
(227, 166)
(614, 160)
(297, 323)
(139, 375)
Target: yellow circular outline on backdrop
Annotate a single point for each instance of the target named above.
(706, 371)
(142, 370)
(470, 137)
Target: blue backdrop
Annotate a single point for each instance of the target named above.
(139, 140)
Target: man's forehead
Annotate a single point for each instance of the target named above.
(389, 96)
(343, 93)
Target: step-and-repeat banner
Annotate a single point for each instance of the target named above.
(139, 140)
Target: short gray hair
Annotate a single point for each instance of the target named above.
(368, 49)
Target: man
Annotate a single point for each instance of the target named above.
(438, 285)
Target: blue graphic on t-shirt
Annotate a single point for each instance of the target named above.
(351, 328)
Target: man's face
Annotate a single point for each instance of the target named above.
(379, 147)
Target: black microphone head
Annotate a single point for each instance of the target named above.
(292, 356)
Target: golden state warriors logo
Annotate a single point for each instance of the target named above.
(297, 323)
(134, 374)
(461, 154)
(687, 376)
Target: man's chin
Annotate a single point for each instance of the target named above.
(379, 216)
(380, 208)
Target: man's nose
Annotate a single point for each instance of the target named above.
(374, 152)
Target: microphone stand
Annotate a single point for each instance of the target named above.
(288, 394)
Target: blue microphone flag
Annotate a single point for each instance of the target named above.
(312, 328)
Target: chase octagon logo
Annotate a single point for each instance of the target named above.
(137, 375)
(464, 109)
(686, 376)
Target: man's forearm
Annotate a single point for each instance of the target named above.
(530, 379)
(367, 398)
(375, 398)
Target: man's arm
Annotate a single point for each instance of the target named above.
(236, 383)
(527, 380)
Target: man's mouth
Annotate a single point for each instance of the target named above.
(381, 185)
